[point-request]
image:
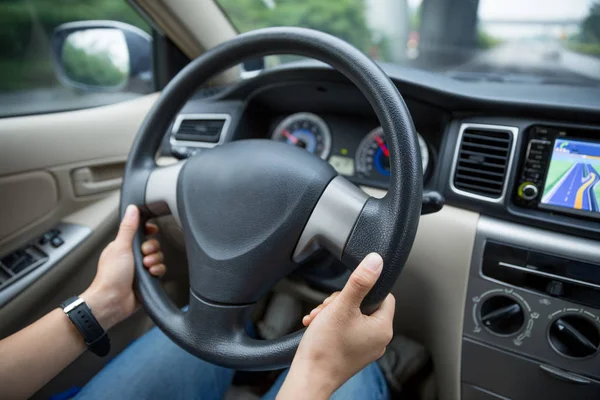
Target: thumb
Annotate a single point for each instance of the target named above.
(129, 226)
(362, 280)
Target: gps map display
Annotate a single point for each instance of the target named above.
(573, 176)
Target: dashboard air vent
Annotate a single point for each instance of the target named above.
(200, 129)
(482, 161)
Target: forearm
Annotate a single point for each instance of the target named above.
(35, 354)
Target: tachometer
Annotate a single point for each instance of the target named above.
(373, 158)
(307, 131)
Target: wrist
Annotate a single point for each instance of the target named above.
(105, 306)
(307, 382)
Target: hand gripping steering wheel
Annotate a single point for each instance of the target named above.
(251, 209)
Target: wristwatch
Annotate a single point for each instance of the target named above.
(81, 316)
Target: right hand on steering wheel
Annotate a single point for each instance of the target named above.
(340, 339)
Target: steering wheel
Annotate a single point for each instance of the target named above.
(251, 209)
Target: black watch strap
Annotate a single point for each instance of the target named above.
(81, 316)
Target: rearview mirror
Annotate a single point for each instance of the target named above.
(103, 56)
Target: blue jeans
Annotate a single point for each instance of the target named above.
(153, 367)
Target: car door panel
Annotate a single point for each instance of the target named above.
(39, 159)
(68, 137)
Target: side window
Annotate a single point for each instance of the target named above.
(67, 54)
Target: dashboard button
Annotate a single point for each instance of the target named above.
(534, 165)
(532, 174)
(539, 146)
(528, 191)
(555, 288)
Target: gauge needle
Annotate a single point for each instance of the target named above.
(289, 136)
(382, 146)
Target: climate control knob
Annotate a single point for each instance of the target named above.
(502, 315)
(574, 336)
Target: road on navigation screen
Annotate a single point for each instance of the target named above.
(575, 189)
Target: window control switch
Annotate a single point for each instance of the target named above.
(26, 261)
(56, 242)
(20, 260)
(14, 259)
(48, 236)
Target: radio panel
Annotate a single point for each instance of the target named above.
(561, 171)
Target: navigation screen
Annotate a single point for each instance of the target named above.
(573, 176)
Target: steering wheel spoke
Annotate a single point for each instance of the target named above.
(332, 220)
(161, 190)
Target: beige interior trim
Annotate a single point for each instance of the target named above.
(95, 133)
(94, 216)
(36, 192)
(194, 26)
(432, 290)
(165, 17)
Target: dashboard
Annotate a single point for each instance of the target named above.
(524, 158)
(340, 127)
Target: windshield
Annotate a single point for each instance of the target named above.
(529, 41)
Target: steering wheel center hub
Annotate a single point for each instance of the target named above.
(243, 203)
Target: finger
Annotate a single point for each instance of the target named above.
(306, 320)
(150, 246)
(158, 270)
(154, 259)
(316, 311)
(330, 298)
(151, 229)
(362, 280)
(129, 225)
(386, 310)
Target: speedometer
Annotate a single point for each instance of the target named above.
(373, 158)
(307, 131)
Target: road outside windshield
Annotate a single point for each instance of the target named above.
(573, 176)
(517, 41)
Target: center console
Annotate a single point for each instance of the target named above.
(532, 314)
(531, 322)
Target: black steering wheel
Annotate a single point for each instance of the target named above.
(251, 209)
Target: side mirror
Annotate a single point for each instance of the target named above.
(103, 56)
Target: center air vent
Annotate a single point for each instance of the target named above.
(483, 160)
(206, 128)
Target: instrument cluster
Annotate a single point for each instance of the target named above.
(366, 163)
